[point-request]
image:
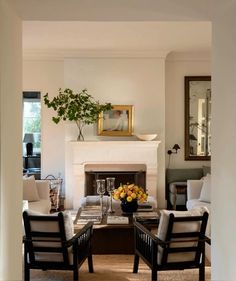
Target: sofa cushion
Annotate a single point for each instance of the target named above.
(205, 195)
(195, 203)
(30, 191)
(43, 206)
(178, 227)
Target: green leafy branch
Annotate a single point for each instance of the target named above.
(79, 107)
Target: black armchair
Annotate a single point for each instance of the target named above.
(49, 244)
(182, 248)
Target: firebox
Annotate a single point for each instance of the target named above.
(123, 174)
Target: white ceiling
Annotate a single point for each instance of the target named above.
(117, 36)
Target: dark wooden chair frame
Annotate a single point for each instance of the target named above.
(146, 247)
(80, 243)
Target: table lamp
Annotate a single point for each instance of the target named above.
(29, 140)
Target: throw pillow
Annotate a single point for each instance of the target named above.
(205, 195)
(30, 191)
(178, 227)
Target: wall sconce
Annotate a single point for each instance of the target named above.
(176, 147)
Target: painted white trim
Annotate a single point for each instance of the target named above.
(47, 54)
(188, 56)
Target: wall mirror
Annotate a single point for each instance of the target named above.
(197, 117)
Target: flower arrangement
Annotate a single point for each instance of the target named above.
(130, 193)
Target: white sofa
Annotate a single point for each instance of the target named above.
(43, 205)
(194, 189)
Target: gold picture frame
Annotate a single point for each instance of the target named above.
(116, 122)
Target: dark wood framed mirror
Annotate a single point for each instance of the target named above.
(197, 117)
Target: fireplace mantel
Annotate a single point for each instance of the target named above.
(80, 154)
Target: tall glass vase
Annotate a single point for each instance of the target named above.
(110, 189)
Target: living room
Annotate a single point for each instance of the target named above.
(118, 76)
(156, 75)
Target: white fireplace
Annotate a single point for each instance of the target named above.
(109, 156)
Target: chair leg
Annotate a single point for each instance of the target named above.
(136, 263)
(27, 273)
(202, 273)
(154, 274)
(90, 263)
(76, 274)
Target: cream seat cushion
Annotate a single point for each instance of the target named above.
(178, 227)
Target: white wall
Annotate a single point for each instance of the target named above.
(47, 76)
(10, 144)
(179, 65)
(136, 81)
(223, 143)
(153, 86)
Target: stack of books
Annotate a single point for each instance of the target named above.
(90, 213)
(145, 208)
(146, 217)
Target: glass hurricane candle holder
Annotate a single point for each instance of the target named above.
(101, 189)
(110, 189)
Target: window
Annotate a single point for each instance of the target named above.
(32, 119)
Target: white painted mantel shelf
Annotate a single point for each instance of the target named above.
(108, 153)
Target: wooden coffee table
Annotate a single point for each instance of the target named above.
(111, 239)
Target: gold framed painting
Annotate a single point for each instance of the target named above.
(116, 122)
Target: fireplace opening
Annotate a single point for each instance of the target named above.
(137, 177)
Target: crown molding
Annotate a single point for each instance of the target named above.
(189, 56)
(68, 54)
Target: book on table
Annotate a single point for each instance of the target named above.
(145, 207)
(117, 220)
(147, 217)
(90, 213)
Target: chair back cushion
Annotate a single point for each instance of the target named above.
(179, 227)
(30, 191)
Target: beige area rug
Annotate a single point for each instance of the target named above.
(117, 268)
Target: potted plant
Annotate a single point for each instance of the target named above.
(79, 107)
(129, 195)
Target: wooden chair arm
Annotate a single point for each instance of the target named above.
(145, 231)
(80, 237)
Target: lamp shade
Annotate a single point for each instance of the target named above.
(28, 138)
(176, 147)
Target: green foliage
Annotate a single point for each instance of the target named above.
(78, 107)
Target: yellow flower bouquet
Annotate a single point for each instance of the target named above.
(129, 194)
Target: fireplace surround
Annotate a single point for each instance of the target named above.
(106, 158)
